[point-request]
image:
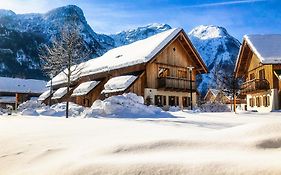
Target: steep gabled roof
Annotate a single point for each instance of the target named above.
(139, 52)
(265, 47)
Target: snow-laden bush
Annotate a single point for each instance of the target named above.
(35, 108)
(29, 112)
(174, 108)
(30, 104)
(60, 108)
(214, 107)
(127, 105)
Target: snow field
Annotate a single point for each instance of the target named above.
(192, 143)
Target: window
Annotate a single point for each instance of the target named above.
(86, 102)
(160, 100)
(252, 102)
(258, 101)
(182, 74)
(252, 76)
(185, 101)
(266, 101)
(163, 72)
(262, 74)
(172, 101)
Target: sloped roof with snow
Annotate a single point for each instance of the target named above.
(138, 52)
(44, 95)
(60, 93)
(17, 85)
(85, 88)
(119, 84)
(266, 47)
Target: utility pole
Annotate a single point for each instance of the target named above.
(190, 68)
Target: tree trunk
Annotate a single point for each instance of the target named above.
(68, 85)
(51, 88)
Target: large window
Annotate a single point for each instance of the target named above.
(173, 100)
(160, 100)
(163, 72)
(262, 74)
(266, 101)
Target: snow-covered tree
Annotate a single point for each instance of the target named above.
(64, 55)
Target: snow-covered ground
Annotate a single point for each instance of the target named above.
(188, 143)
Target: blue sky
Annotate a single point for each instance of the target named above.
(239, 17)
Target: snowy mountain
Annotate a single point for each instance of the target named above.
(218, 49)
(132, 35)
(22, 34)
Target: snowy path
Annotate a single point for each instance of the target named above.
(211, 143)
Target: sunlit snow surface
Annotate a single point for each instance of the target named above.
(191, 143)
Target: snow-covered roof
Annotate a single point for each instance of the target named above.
(18, 85)
(59, 93)
(118, 84)
(266, 47)
(138, 52)
(85, 88)
(44, 95)
(7, 99)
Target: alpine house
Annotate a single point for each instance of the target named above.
(259, 64)
(155, 68)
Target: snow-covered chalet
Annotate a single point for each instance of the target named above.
(259, 64)
(155, 68)
(14, 91)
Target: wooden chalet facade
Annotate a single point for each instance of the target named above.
(155, 68)
(259, 64)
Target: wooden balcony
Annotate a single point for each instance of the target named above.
(180, 84)
(254, 86)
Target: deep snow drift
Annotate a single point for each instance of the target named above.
(121, 106)
(217, 143)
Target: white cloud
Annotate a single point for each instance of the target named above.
(226, 3)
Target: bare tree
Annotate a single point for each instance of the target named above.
(64, 55)
(231, 87)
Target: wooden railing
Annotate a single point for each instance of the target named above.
(254, 85)
(175, 83)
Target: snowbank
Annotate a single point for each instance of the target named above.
(36, 108)
(30, 104)
(214, 107)
(127, 105)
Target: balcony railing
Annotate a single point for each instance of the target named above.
(175, 83)
(255, 85)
